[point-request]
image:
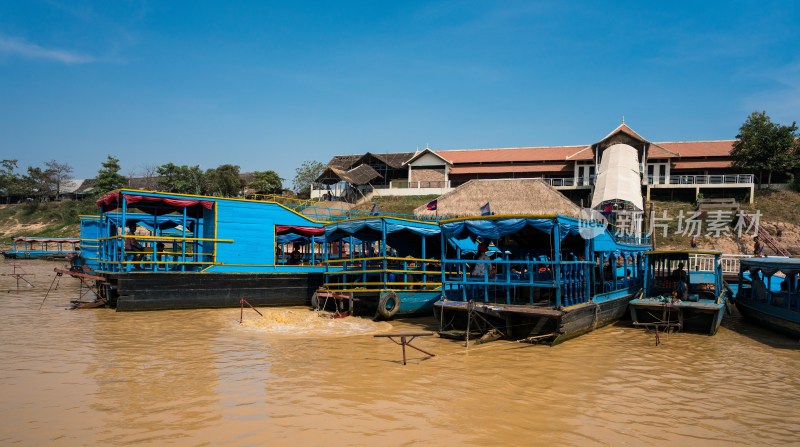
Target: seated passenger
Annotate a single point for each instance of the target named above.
(295, 257)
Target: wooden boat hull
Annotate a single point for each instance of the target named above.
(779, 320)
(166, 291)
(410, 303)
(541, 324)
(701, 317)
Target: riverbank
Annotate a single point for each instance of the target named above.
(780, 215)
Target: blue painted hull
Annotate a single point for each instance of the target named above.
(411, 303)
(784, 321)
(702, 317)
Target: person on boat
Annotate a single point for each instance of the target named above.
(681, 291)
(133, 247)
(480, 267)
(295, 257)
(758, 247)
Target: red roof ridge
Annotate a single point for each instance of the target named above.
(511, 148)
(694, 141)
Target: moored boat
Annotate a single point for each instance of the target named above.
(770, 295)
(554, 277)
(43, 248)
(675, 298)
(381, 267)
(174, 251)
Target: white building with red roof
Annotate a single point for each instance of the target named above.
(692, 165)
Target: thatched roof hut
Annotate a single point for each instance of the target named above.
(506, 196)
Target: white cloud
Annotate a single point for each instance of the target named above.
(18, 47)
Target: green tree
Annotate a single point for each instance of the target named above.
(59, 174)
(765, 147)
(108, 177)
(10, 181)
(305, 176)
(180, 179)
(266, 182)
(37, 183)
(224, 181)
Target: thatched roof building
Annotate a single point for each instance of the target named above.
(505, 196)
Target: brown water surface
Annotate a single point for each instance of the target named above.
(291, 378)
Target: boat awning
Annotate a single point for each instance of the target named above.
(149, 221)
(113, 200)
(772, 265)
(619, 178)
(491, 227)
(46, 239)
(303, 231)
(372, 228)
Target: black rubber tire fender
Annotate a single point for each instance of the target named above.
(388, 305)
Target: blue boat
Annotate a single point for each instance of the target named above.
(175, 251)
(380, 266)
(43, 248)
(704, 295)
(553, 278)
(759, 301)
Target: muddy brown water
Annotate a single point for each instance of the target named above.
(291, 378)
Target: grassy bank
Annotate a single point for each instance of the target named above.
(43, 219)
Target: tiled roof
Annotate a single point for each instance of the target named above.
(624, 129)
(721, 148)
(701, 164)
(489, 169)
(517, 154)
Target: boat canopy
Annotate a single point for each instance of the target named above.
(149, 221)
(46, 239)
(372, 228)
(770, 266)
(495, 227)
(405, 237)
(113, 200)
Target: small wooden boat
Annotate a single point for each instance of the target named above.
(43, 248)
(661, 307)
(769, 293)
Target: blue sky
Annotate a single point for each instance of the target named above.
(267, 85)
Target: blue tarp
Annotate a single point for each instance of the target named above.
(490, 228)
(371, 229)
(163, 222)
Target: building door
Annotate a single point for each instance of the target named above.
(657, 173)
(585, 174)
